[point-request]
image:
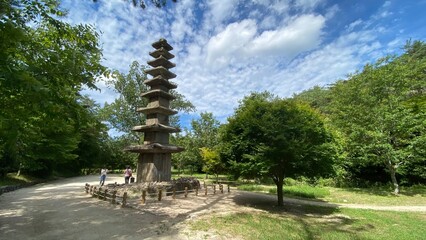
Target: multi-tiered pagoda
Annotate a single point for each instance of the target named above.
(154, 161)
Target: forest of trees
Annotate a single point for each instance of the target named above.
(366, 129)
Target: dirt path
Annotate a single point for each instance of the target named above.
(61, 210)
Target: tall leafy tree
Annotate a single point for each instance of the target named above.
(44, 63)
(381, 112)
(212, 162)
(278, 138)
(204, 134)
(121, 114)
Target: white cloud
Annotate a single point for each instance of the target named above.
(353, 25)
(241, 40)
(302, 34)
(227, 49)
(220, 9)
(307, 5)
(232, 40)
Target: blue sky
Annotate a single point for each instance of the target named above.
(226, 49)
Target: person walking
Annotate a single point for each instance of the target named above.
(127, 174)
(103, 176)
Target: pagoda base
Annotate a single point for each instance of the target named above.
(154, 167)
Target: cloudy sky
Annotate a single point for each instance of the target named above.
(226, 49)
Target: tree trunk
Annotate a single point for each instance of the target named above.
(19, 170)
(392, 172)
(279, 182)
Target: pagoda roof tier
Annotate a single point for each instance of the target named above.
(162, 43)
(158, 93)
(155, 128)
(159, 109)
(161, 61)
(160, 71)
(154, 148)
(160, 80)
(161, 52)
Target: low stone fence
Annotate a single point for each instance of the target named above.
(115, 198)
(106, 195)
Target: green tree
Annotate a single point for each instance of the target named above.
(278, 138)
(204, 133)
(44, 63)
(212, 162)
(379, 110)
(121, 114)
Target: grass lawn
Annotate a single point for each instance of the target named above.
(316, 223)
(12, 179)
(382, 196)
(415, 196)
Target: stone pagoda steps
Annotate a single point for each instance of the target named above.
(157, 93)
(155, 128)
(160, 81)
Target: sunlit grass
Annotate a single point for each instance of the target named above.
(415, 195)
(340, 224)
(12, 179)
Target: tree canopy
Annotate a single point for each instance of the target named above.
(44, 63)
(278, 138)
(380, 112)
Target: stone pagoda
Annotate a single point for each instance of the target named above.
(154, 161)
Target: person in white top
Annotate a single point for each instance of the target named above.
(103, 176)
(127, 174)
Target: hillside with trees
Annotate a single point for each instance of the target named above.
(380, 113)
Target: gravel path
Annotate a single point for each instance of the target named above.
(62, 210)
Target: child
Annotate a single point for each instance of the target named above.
(127, 174)
(103, 176)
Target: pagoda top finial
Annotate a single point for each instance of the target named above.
(162, 43)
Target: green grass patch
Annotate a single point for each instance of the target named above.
(11, 179)
(340, 224)
(381, 196)
(255, 188)
(303, 191)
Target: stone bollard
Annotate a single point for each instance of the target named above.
(143, 200)
(124, 199)
(160, 194)
(221, 188)
(100, 193)
(114, 195)
(87, 187)
(94, 192)
(186, 191)
(105, 194)
(91, 190)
